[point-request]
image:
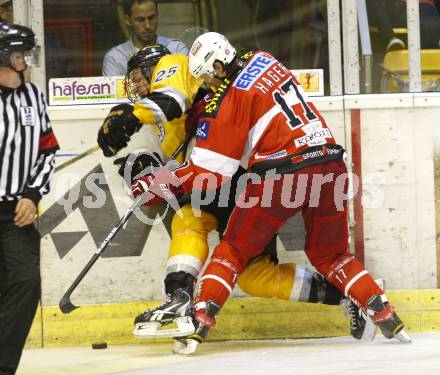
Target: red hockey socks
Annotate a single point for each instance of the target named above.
(351, 278)
(217, 281)
(222, 272)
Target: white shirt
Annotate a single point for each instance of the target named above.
(116, 59)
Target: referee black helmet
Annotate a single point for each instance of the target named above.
(14, 38)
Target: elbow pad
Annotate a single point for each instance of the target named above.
(144, 114)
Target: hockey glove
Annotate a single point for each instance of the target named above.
(137, 164)
(119, 125)
(163, 185)
(195, 112)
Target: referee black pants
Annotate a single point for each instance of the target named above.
(19, 285)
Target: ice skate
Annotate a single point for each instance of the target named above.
(361, 325)
(175, 309)
(383, 315)
(357, 318)
(185, 346)
(204, 319)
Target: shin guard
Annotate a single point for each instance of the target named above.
(189, 244)
(220, 276)
(218, 281)
(349, 275)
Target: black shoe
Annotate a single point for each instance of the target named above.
(204, 319)
(356, 316)
(176, 308)
(384, 316)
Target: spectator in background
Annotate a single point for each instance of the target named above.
(141, 16)
(6, 11)
(389, 14)
(380, 17)
(429, 20)
(58, 62)
(386, 15)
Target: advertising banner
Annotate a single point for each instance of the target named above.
(312, 80)
(87, 90)
(107, 90)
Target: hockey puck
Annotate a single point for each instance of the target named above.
(99, 345)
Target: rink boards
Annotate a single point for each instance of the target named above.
(391, 142)
(241, 318)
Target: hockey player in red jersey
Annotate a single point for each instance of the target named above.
(154, 96)
(261, 118)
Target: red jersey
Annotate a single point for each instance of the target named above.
(260, 115)
(422, 2)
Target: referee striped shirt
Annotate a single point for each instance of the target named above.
(27, 144)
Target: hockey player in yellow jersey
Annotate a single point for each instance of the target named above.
(171, 92)
(163, 91)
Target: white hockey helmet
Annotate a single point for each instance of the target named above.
(207, 49)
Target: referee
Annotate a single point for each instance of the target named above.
(27, 152)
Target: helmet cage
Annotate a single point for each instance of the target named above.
(136, 79)
(144, 60)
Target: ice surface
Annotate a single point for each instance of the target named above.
(339, 355)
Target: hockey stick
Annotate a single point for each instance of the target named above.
(66, 305)
(91, 150)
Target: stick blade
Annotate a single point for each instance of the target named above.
(66, 306)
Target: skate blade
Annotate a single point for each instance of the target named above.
(185, 327)
(402, 336)
(144, 330)
(179, 344)
(369, 331)
(188, 349)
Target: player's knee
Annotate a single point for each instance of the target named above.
(187, 220)
(263, 278)
(252, 287)
(251, 278)
(184, 219)
(187, 228)
(189, 241)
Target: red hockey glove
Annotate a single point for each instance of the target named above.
(163, 185)
(194, 113)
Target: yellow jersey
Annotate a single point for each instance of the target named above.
(172, 92)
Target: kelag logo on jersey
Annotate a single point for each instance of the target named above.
(258, 65)
(202, 130)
